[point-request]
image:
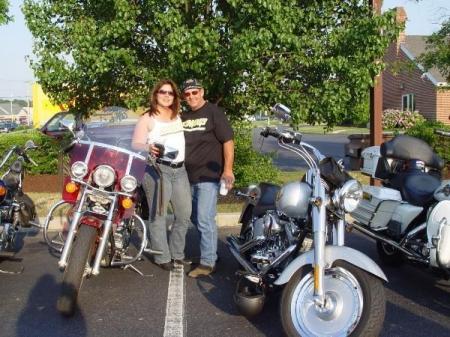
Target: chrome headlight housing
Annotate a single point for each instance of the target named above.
(293, 199)
(349, 196)
(104, 176)
(128, 184)
(79, 169)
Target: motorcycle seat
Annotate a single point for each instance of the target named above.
(405, 147)
(417, 187)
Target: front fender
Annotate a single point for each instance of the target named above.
(332, 253)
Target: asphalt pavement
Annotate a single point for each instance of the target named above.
(123, 303)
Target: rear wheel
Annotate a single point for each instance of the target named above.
(355, 304)
(74, 272)
(389, 255)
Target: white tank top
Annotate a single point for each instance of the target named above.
(171, 135)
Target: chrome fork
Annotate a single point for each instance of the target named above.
(62, 263)
(107, 225)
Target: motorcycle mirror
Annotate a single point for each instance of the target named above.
(30, 145)
(281, 112)
(67, 125)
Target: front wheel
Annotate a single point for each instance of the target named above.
(355, 304)
(74, 272)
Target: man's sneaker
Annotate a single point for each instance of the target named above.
(185, 262)
(201, 271)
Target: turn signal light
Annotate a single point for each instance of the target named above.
(71, 187)
(2, 191)
(127, 203)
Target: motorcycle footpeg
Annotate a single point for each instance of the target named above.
(153, 252)
(35, 224)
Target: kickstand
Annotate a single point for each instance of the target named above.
(135, 269)
(12, 272)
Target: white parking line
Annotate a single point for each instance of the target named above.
(174, 324)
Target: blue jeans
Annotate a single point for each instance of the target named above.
(176, 190)
(204, 209)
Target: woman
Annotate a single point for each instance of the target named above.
(161, 127)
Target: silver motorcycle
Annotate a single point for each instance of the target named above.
(409, 215)
(293, 236)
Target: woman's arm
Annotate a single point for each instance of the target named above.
(140, 135)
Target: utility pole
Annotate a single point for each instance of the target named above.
(376, 98)
(376, 94)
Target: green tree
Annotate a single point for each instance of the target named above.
(316, 56)
(438, 50)
(4, 12)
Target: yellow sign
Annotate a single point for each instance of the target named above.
(43, 108)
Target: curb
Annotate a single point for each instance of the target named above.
(222, 219)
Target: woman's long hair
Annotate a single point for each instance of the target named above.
(175, 107)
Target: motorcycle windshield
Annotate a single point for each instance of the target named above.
(107, 141)
(112, 125)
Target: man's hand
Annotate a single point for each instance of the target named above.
(228, 177)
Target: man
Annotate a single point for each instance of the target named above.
(209, 159)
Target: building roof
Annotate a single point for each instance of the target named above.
(5, 109)
(415, 46)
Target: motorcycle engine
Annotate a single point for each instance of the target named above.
(274, 236)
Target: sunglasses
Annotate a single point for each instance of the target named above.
(193, 93)
(165, 92)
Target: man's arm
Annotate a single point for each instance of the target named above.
(228, 156)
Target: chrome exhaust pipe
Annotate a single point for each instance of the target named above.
(388, 241)
(247, 245)
(233, 246)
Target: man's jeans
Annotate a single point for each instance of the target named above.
(176, 190)
(204, 209)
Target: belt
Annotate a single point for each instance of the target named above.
(170, 163)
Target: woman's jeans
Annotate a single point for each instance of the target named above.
(204, 209)
(176, 190)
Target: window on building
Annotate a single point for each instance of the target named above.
(408, 102)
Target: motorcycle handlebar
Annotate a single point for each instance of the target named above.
(286, 136)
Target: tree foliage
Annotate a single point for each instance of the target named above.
(316, 56)
(438, 50)
(4, 12)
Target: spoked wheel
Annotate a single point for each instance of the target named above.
(389, 255)
(75, 269)
(355, 304)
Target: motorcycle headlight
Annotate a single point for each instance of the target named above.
(104, 176)
(128, 183)
(79, 169)
(349, 196)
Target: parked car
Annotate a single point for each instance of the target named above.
(8, 126)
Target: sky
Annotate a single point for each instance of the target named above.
(424, 18)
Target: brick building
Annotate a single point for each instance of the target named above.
(406, 85)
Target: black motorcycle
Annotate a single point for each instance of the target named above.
(17, 210)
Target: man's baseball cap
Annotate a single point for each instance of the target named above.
(191, 83)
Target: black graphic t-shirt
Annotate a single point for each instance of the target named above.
(205, 130)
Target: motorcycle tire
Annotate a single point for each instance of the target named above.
(74, 272)
(349, 288)
(389, 255)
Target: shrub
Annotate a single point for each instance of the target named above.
(249, 165)
(398, 119)
(425, 131)
(46, 155)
